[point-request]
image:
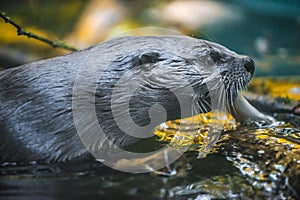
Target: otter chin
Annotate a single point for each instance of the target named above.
(126, 85)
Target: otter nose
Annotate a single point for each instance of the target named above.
(249, 65)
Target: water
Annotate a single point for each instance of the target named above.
(250, 162)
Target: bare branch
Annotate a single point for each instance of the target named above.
(22, 31)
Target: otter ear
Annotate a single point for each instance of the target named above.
(149, 58)
(146, 58)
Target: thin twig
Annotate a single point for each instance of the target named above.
(22, 31)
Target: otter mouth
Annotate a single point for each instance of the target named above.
(237, 77)
(234, 71)
(232, 75)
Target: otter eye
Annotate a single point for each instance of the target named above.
(215, 56)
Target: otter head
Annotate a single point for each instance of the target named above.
(225, 72)
(153, 79)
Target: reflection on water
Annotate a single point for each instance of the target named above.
(248, 162)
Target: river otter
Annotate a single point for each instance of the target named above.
(36, 112)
